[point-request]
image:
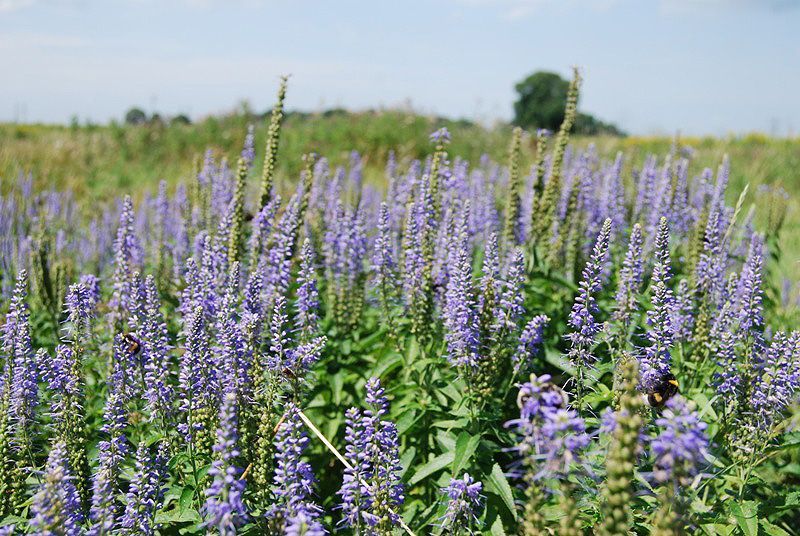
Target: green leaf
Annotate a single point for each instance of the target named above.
(700, 507)
(789, 441)
(497, 527)
(498, 484)
(387, 364)
(772, 529)
(202, 472)
(746, 514)
(406, 420)
(453, 392)
(782, 502)
(465, 447)
(187, 496)
(179, 516)
(188, 516)
(445, 440)
(450, 424)
(436, 464)
(337, 387)
(558, 360)
(406, 459)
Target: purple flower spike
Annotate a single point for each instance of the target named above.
(24, 392)
(92, 285)
(655, 362)
(56, 507)
(307, 294)
(582, 318)
(511, 298)
(127, 258)
(224, 509)
(463, 505)
(294, 479)
(777, 383)
(145, 492)
(159, 393)
(383, 257)
(249, 151)
(751, 316)
(460, 319)
(372, 492)
(441, 136)
(630, 278)
(551, 437)
(530, 340)
(679, 449)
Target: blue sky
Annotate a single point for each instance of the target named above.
(660, 66)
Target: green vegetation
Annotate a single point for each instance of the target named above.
(100, 162)
(475, 352)
(541, 100)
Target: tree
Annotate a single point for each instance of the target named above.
(542, 97)
(156, 120)
(135, 116)
(181, 119)
(541, 101)
(589, 125)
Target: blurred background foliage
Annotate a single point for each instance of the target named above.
(102, 162)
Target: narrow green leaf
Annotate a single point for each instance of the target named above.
(406, 459)
(337, 387)
(450, 424)
(772, 529)
(746, 514)
(436, 464)
(387, 364)
(498, 484)
(465, 447)
(497, 527)
(453, 392)
(185, 502)
(406, 420)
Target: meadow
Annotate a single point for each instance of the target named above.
(381, 323)
(101, 162)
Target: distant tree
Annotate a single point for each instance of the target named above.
(334, 112)
(540, 102)
(181, 119)
(135, 116)
(589, 125)
(156, 120)
(541, 98)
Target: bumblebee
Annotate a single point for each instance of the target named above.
(559, 400)
(560, 394)
(666, 388)
(134, 345)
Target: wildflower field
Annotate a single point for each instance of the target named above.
(507, 333)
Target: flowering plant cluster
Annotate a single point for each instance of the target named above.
(472, 348)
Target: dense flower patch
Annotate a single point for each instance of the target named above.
(473, 349)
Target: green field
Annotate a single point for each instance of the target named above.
(102, 162)
(643, 334)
